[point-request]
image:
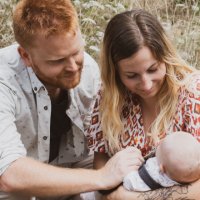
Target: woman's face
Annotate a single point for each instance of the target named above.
(142, 74)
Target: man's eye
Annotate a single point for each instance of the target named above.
(76, 53)
(56, 61)
(60, 60)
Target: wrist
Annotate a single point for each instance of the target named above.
(99, 180)
(104, 182)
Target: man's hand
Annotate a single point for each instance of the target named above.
(120, 165)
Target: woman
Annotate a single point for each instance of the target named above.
(148, 91)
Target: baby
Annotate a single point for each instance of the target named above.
(177, 162)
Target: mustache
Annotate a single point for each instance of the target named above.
(71, 73)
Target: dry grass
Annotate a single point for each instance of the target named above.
(179, 17)
(6, 33)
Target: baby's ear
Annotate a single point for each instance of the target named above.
(162, 168)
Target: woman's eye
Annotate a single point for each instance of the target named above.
(132, 76)
(152, 70)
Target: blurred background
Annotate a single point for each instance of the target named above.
(181, 19)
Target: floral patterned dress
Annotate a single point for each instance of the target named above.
(187, 118)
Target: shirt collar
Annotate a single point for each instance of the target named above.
(37, 85)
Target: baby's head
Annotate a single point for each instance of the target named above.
(178, 156)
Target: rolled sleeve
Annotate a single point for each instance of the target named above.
(11, 146)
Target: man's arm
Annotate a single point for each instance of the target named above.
(184, 192)
(23, 175)
(30, 177)
(33, 178)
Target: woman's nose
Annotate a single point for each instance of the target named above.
(146, 82)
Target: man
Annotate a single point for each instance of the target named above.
(47, 92)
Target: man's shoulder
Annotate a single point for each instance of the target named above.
(11, 66)
(88, 60)
(85, 92)
(10, 58)
(9, 51)
(90, 63)
(191, 89)
(90, 73)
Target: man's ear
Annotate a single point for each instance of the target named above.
(25, 56)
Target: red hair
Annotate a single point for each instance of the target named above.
(47, 17)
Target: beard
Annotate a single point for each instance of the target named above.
(71, 80)
(67, 80)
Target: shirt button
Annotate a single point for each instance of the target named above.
(45, 107)
(35, 88)
(45, 138)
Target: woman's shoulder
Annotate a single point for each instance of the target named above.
(192, 86)
(194, 81)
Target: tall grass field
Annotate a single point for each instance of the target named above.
(181, 19)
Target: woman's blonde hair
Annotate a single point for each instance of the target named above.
(125, 35)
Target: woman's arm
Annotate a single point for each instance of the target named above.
(185, 192)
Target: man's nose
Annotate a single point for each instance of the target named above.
(71, 65)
